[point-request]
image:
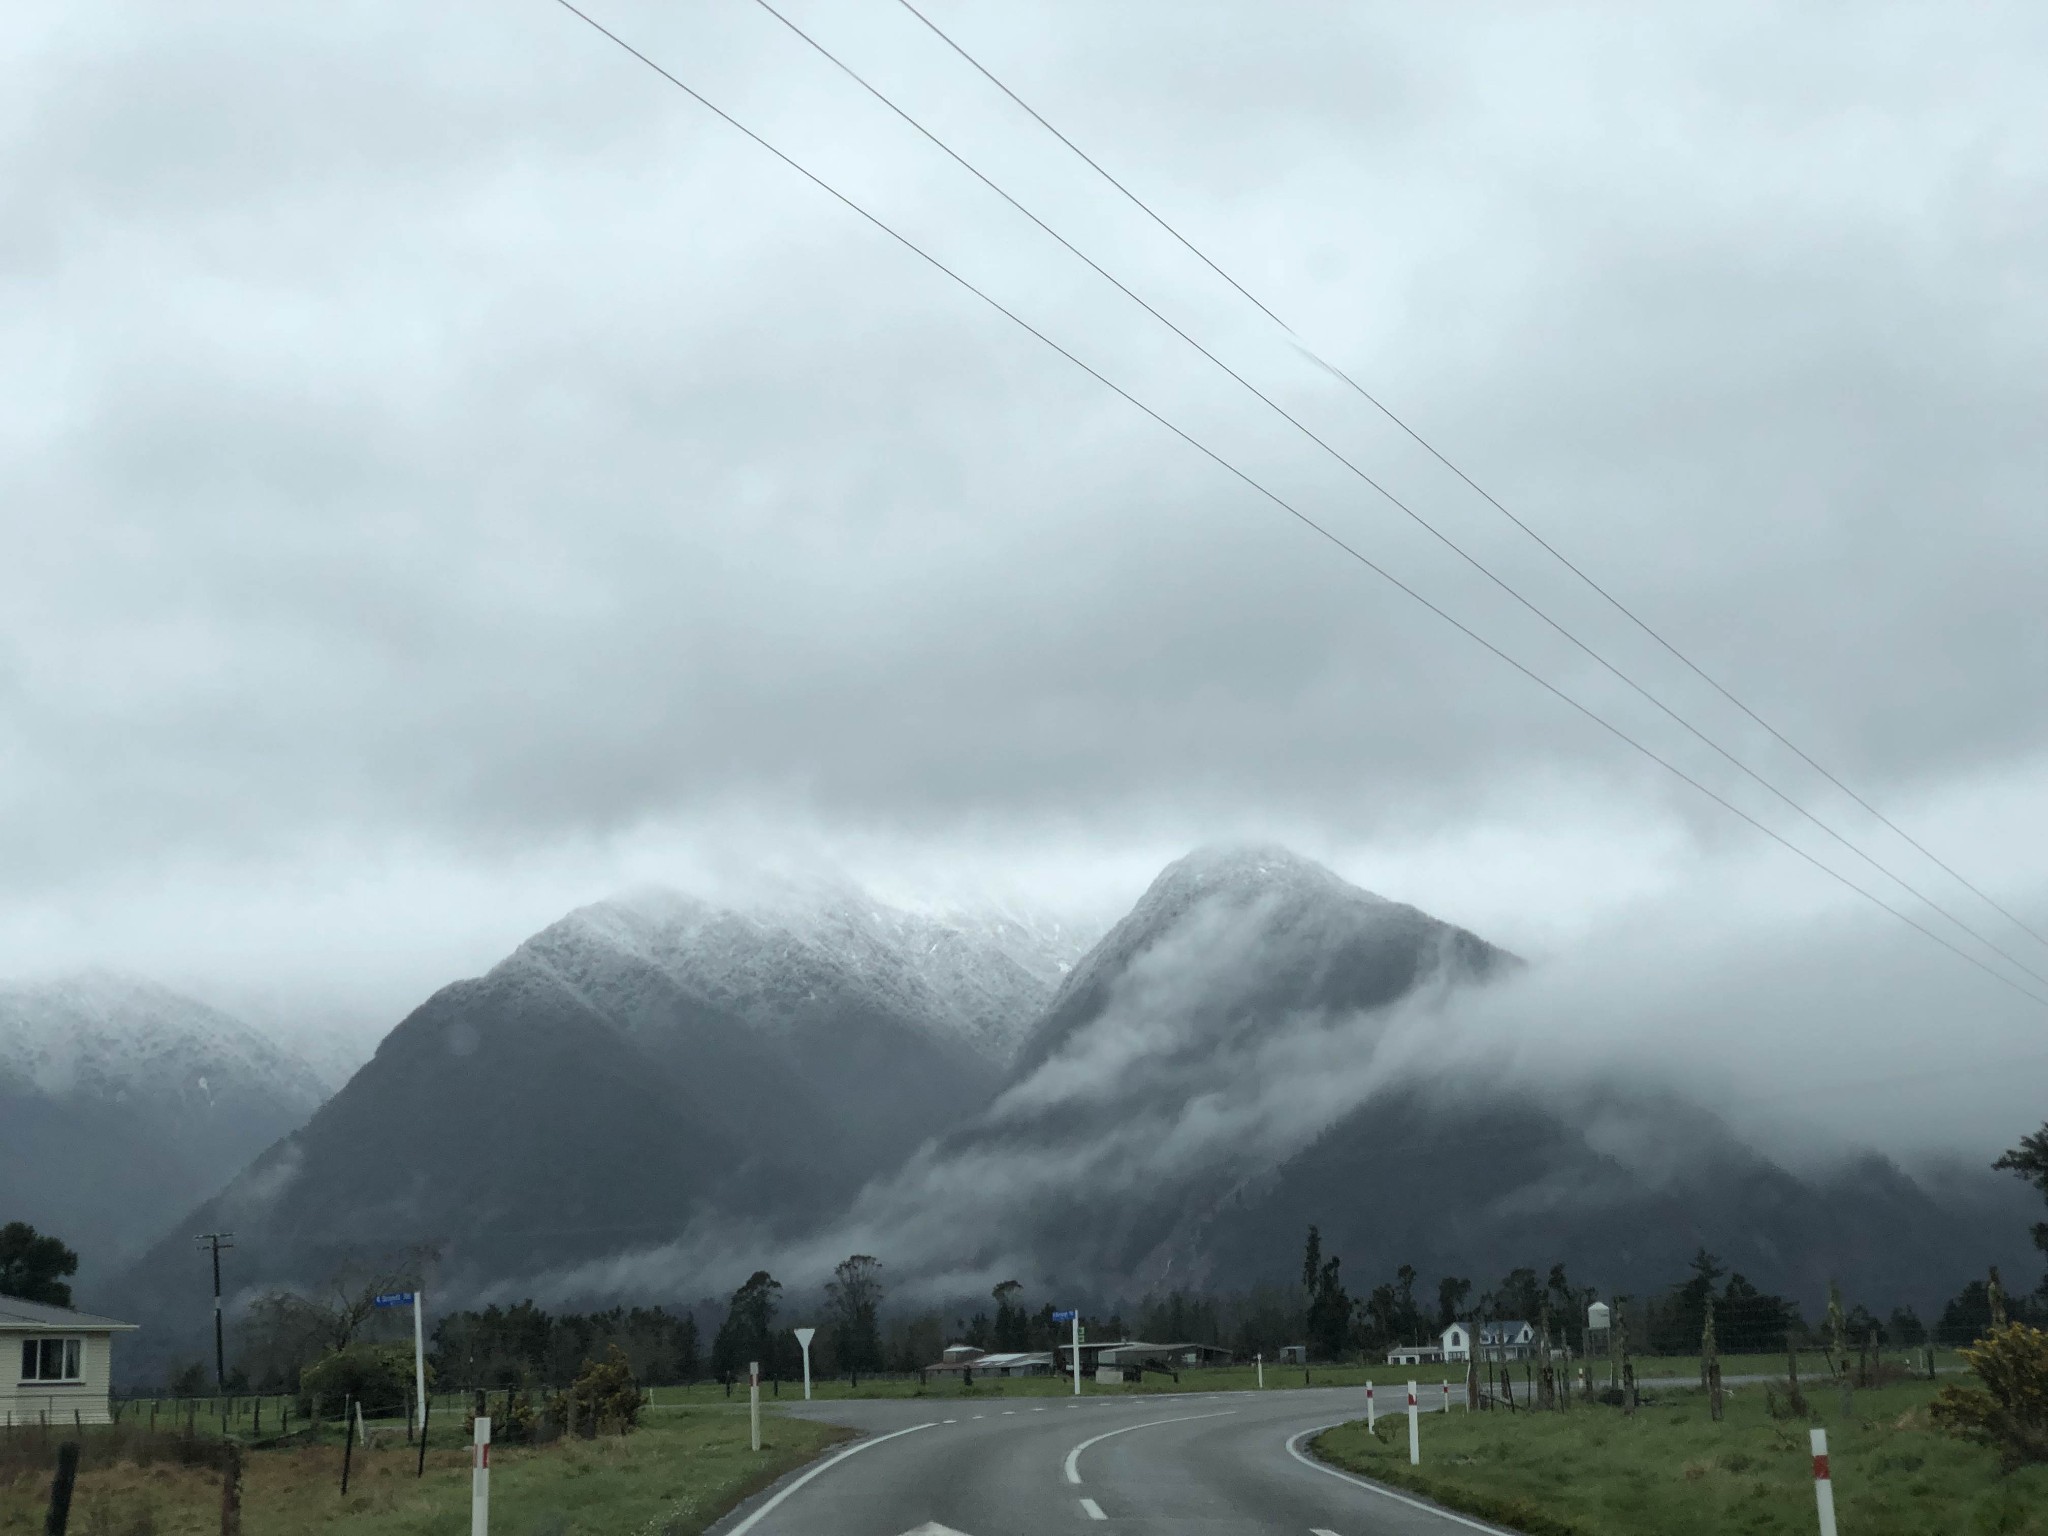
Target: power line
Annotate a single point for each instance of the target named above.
(1288, 507)
(1417, 518)
(1377, 404)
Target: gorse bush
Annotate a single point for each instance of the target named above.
(2010, 1410)
(379, 1376)
(605, 1396)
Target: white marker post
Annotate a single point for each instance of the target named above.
(1823, 1483)
(754, 1398)
(419, 1359)
(1414, 1430)
(1370, 1417)
(480, 1479)
(1447, 1397)
(1074, 1318)
(804, 1337)
(1262, 1371)
(417, 1300)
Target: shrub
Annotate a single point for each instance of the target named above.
(2010, 1410)
(379, 1376)
(605, 1396)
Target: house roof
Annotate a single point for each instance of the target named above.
(18, 1316)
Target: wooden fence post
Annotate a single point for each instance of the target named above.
(231, 1493)
(348, 1442)
(59, 1514)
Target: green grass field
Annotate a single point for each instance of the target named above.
(1592, 1471)
(1231, 1378)
(672, 1477)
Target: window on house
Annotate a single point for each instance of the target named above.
(52, 1359)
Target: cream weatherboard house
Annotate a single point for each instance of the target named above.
(55, 1364)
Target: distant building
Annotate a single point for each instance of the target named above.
(960, 1359)
(1293, 1354)
(1415, 1354)
(66, 1362)
(1512, 1340)
(1129, 1359)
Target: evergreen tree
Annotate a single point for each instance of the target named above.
(33, 1267)
(2029, 1160)
(1450, 1300)
(1012, 1327)
(854, 1294)
(748, 1332)
(1329, 1305)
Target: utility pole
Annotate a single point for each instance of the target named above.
(217, 1241)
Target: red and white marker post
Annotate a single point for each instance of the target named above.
(1414, 1430)
(754, 1398)
(1823, 1483)
(1371, 1417)
(480, 1479)
(1447, 1397)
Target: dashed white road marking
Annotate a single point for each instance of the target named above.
(1074, 1456)
(1009, 1413)
(1314, 1530)
(949, 1421)
(1092, 1510)
(981, 1415)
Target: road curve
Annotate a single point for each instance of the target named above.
(1220, 1463)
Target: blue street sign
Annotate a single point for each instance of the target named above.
(395, 1299)
(1063, 1317)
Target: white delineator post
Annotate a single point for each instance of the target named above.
(1370, 1417)
(419, 1357)
(480, 1479)
(804, 1337)
(1823, 1484)
(1447, 1397)
(754, 1399)
(1262, 1372)
(1077, 1351)
(1414, 1430)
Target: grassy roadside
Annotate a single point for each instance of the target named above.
(672, 1477)
(1671, 1469)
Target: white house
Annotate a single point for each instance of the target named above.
(54, 1363)
(1515, 1340)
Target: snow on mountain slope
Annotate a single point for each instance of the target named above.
(107, 1035)
(123, 1104)
(977, 978)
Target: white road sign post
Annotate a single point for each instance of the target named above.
(804, 1337)
(480, 1479)
(417, 1300)
(1074, 1318)
(1369, 1415)
(1414, 1430)
(754, 1398)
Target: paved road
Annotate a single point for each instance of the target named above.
(1221, 1463)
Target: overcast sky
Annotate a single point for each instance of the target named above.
(450, 475)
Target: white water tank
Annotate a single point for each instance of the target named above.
(1597, 1317)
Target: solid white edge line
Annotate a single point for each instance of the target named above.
(824, 1466)
(1294, 1450)
(1074, 1456)
(1092, 1510)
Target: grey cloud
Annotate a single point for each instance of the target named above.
(433, 439)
